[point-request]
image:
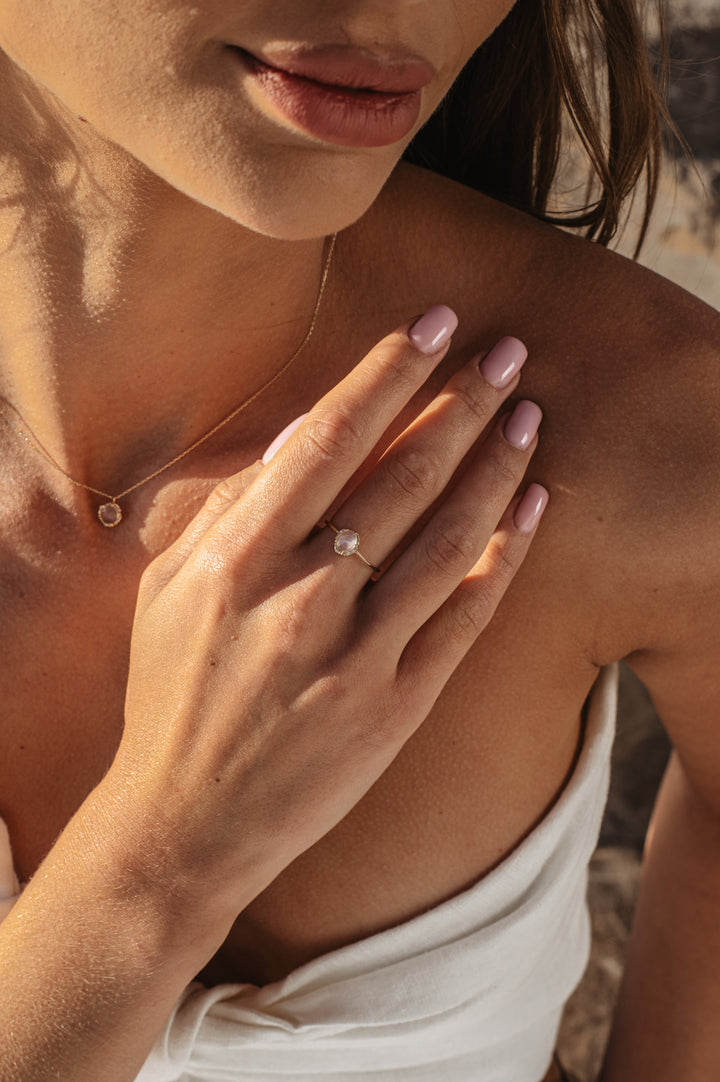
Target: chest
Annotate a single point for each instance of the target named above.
(484, 767)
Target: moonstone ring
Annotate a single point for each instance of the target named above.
(347, 543)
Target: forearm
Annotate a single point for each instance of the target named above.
(92, 960)
(665, 1027)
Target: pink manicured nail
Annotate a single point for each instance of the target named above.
(503, 362)
(531, 506)
(433, 330)
(280, 440)
(522, 424)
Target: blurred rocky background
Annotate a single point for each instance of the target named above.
(684, 245)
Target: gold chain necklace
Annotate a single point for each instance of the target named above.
(110, 513)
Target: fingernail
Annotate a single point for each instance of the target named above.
(503, 362)
(433, 330)
(280, 440)
(531, 506)
(522, 424)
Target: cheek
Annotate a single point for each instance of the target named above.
(481, 19)
(469, 23)
(78, 53)
(111, 69)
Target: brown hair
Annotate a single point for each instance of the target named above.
(503, 126)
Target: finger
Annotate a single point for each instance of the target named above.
(224, 495)
(282, 438)
(417, 467)
(453, 540)
(339, 433)
(220, 499)
(231, 489)
(436, 650)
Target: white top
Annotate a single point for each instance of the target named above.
(470, 991)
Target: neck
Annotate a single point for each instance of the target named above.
(131, 317)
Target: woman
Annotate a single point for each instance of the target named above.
(213, 764)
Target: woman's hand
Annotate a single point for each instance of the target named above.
(272, 681)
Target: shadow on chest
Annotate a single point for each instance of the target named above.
(64, 641)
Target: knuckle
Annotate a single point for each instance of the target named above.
(414, 473)
(333, 434)
(501, 565)
(224, 493)
(507, 469)
(472, 395)
(396, 363)
(479, 597)
(450, 547)
(230, 489)
(472, 613)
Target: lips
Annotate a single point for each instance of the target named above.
(352, 68)
(340, 94)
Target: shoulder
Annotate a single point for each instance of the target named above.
(625, 365)
(500, 264)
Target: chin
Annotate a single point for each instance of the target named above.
(289, 196)
(304, 217)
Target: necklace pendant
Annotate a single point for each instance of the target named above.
(110, 514)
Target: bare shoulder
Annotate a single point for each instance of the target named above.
(626, 367)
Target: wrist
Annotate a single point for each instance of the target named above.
(131, 864)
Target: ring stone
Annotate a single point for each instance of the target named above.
(346, 542)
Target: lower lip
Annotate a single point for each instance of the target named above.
(335, 114)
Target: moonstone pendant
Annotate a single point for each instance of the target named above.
(346, 542)
(110, 514)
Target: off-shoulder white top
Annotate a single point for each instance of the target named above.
(470, 991)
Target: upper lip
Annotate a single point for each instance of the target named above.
(350, 67)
